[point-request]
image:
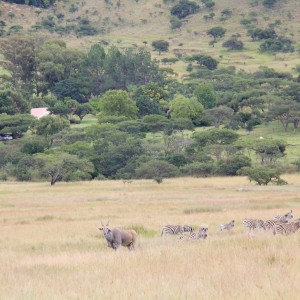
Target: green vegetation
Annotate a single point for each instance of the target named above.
(118, 112)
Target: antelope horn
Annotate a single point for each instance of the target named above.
(107, 223)
(102, 224)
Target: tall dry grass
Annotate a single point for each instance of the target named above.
(50, 247)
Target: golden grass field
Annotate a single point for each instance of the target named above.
(51, 248)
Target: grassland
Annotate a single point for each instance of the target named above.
(50, 247)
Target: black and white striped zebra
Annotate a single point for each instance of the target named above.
(201, 234)
(286, 228)
(251, 224)
(284, 218)
(269, 224)
(176, 229)
(227, 226)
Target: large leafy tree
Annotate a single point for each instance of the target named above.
(148, 97)
(12, 102)
(20, 59)
(206, 95)
(50, 125)
(188, 108)
(117, 103)
(63, 166)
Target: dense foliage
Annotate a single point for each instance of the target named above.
(147, 123)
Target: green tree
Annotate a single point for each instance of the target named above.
(50, 125)
(15, 125)
(156, 169)
(160, 46)
(233, 44)
(61, 166)
(147, 98)
(215, 137)
(204, 61)
(118, 103)
(182, 107)
(216, 32)
(217, 115)
(12, 102)
(263, 176)
(184, 8)
(205, 94)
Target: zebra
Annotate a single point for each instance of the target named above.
(201, 234)
(286, 228)
(285, 218)
(269, 224)
(251, 224)
(176, 229)
(227, 226)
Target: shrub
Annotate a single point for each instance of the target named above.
(279, 44)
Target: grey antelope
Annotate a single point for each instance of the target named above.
(117, 237)
(176, 229)
(251, 224)
(227, 226)
(286, 228)
(284, 218)
(201, 234)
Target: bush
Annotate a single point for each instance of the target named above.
(262, 175)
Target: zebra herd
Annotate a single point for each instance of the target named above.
(280, 224)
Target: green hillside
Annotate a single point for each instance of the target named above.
(128, 23)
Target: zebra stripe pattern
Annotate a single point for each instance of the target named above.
(286, 228)
(269, 224)
(176, 229)
(284, 218)
(251, 224)
(201, 234)
(227, 226)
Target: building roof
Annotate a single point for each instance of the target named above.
(39, 112)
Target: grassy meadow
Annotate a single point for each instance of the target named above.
(51, 248)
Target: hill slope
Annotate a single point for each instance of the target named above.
(136, 23)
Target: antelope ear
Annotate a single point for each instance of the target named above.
(100, 228)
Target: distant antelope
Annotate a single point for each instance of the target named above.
(117, 237)
(251, 224)
(286, 228)
(284, 218)
(227, 226)
(201, 234)
(176, 229)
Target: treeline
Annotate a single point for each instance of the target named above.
(145, 115)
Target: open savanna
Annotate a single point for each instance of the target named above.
(51, 248)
